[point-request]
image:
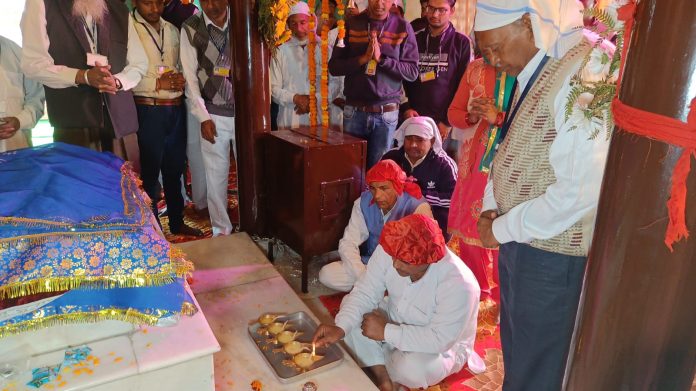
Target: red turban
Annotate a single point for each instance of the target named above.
(388, 170)
(415, 239)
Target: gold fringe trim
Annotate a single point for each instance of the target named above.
(188, 309)
(129, 315)
(60, 284)
(40, 239)
(178, 267)
(182, 266)
(130, 184)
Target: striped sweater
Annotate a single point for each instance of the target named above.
(399, 60)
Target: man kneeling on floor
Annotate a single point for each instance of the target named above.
(424, 329)
(390, 197)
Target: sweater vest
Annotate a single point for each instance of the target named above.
(405, 205)
(521, 169)
(216, 91)
(81, 106)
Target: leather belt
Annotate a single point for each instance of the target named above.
(142, 100)
(378, 109)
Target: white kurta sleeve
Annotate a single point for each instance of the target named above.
(354, 235)
(456, 304)
(488, 197)
(280, 95)
(136, 60)
(367, 293)
(33, 104)
(578, 164)
(189, 66)
(37, 63)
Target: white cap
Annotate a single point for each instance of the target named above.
(299, 8)
(556, 24)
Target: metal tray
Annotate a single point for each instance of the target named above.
(298, 321)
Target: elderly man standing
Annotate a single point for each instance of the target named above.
(206, 59)
(419, 153)
(21, 99)
(542, 193)
(426, 329)
(390, 197)
(88, 56)
(380, 53)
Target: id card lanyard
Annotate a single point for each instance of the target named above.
(91, 34)
(439, 50)
(159, 45)
(511, 115)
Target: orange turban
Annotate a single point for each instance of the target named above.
(388, 170)
(415, 239)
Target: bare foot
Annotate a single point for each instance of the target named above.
(381, 378)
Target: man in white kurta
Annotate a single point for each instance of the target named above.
(21, 99)
(290, 74)
(390, 196)
(424, 330)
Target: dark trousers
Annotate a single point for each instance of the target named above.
(162, 141)
(539, 291)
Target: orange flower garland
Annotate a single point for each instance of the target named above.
(324, 82)
(312, 66)
(341, 23)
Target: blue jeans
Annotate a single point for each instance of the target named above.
(376, 128)
(162, 142)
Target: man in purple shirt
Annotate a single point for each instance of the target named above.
(380, 53)
(444, 54)
(176, 12)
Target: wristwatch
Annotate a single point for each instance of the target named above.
(119, 85)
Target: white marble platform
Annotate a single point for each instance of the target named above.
(234, 284)
(123, 357)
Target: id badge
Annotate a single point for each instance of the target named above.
(427, 76)
(371, 69)
(94, 58)
(162, 69)
(221, 71)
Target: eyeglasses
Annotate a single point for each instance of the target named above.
(434, 10)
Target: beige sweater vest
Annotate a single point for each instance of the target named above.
(521, 169)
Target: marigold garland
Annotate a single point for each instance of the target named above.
(273, 15)
(341, 24)
(312, 66)
(324, 82)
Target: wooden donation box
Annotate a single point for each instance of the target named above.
(313, 176)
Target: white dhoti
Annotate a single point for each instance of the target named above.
(340, 275)
(411, 369)
(216, 160)
(199, 193)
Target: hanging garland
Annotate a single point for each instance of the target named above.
(312, 65)
(324, 82)
(273, 15)
(341, 24)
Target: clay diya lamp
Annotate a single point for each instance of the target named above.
(267, 319)
(286, 336)
(305, 360)
(294, 347)
(276, 327)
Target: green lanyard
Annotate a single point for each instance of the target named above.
(503, 92)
